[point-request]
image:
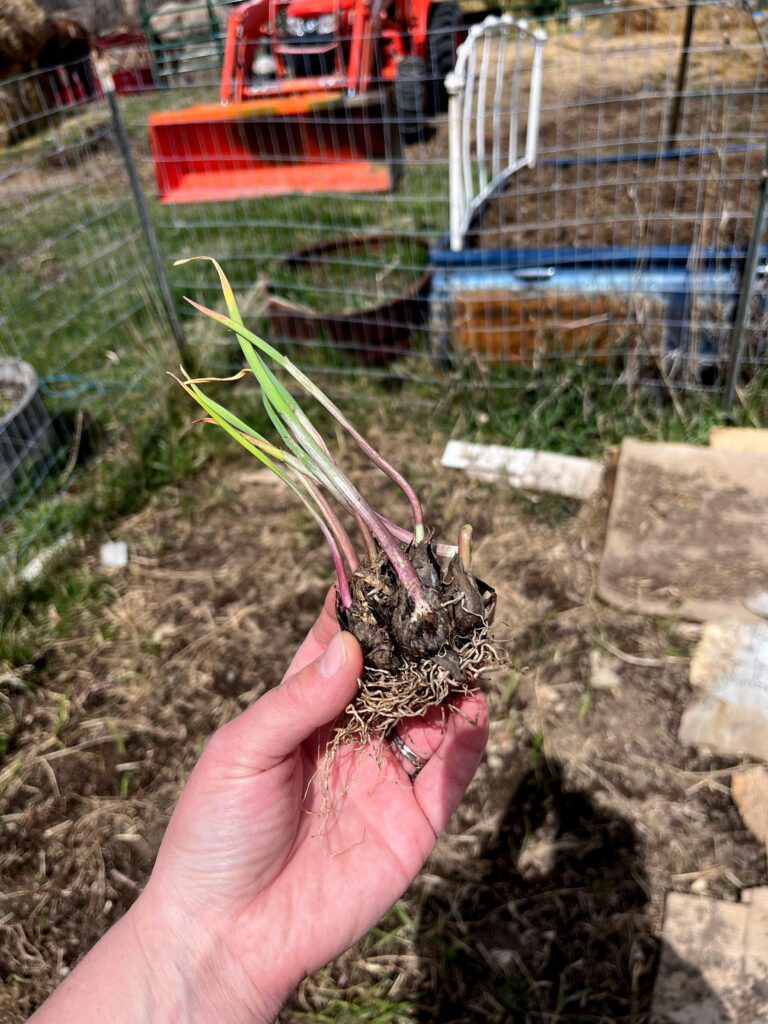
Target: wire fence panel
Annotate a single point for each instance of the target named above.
(126, 57)
(185, 39)
(81, 333)
(622, 243)
(496, 82)
(627, 238)
(328, 133)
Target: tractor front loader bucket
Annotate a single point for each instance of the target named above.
(315, 142)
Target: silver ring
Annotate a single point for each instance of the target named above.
(410, 755)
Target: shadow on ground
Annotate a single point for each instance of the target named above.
(552, 925)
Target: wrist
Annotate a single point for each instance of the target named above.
(191, 975)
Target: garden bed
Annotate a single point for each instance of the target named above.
(701, 198)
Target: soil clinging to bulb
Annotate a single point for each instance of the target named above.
(416, 656)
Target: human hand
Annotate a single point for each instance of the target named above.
(265, 874)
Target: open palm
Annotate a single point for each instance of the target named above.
(286, 865)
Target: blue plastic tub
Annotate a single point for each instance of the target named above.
(522, 305)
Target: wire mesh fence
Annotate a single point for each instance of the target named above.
(185, 40)
(586, 190)
(623, 245)
(81, 331)
(637, 214)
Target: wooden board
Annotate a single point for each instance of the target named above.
(739, 439)
(530, 470)
(505, 326)
(687, 531)
(714, 960)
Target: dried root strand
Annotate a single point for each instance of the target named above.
(385, 698)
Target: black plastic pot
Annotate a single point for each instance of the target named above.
(26, 432)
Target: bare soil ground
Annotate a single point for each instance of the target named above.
(543, 902)
(610, 93)
(706, 201)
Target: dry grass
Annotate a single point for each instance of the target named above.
(543, 902)
(22, 25)
(606, 92)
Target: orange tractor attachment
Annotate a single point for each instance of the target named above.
(315, 97)
(318, 142)
(283, 135)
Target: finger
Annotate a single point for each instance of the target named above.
(319, 636)
(425, 734)
(276, 725)
(444, 779)
(416, 739)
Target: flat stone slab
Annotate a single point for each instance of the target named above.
(687, 531)
(726, 728)
(744, 439)
(530, 470)
(714, 961)
(730, 664)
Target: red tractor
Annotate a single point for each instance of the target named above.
(316, 96)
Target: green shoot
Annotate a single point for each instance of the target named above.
(302, 459)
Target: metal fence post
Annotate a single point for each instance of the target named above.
(682, 74)
(158, 263)
(534, 101)
(747, 287)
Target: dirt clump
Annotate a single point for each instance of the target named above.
(416, 655)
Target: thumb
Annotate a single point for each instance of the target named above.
(285, 716)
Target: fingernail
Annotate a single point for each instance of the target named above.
(333, 657)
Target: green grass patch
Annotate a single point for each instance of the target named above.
(162, 451)
(571, 408)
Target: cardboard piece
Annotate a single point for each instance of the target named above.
(730, 663)
(525, 468)
(749, 789)
(739, 439)
(687, 531)
(714, 961)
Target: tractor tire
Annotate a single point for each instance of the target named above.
(443, 35)
(410, 96)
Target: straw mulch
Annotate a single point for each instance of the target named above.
(22, 33)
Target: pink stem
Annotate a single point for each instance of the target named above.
(338, 565)
(402, 565)
(368, 542)
(406, 537)
(373, 455)
(392, 473)
(334, 524)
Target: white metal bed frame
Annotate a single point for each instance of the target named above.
(471, 179)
